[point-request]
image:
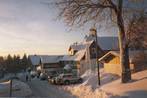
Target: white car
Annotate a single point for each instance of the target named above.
(33, 73)
(68, 79)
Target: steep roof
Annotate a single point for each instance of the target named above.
(35, 59)
(105, 43)
(81, 46)
(77, 46)
(77, 57)
(132, 54)
(50, 59)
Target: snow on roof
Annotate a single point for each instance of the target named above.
(77, 46)
(105, 43)
(115, 53)
(67, 58)
(35, 59)
(132, 54)
(82, 45)
(49, 59)
(77, 57)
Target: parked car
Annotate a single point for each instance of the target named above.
(52, 80)
(33, 74)
(38, 73)
(43, 76)
(67, 79)
(52, 74)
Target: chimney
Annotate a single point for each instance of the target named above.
(93, 31)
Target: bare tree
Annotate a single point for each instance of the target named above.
(137, 33)
(80, 12)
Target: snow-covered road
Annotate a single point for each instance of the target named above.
(44, 89)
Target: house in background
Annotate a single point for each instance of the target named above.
(35, 61)
(111, 61)
(46, 63)
(51, 63)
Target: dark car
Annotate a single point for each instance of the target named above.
(53, 74)
(33, 74)
(43, 76)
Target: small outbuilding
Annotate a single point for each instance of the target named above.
(111, 62)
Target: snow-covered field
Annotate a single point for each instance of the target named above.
(111, 86)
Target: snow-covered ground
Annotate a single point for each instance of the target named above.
(42, 89)
(19, 89)
(89, 88)
(137, 88)
(111, 86)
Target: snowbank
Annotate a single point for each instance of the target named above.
(19, 89)
(89, 88)
(4, 87)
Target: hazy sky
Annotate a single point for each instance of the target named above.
(28, 26)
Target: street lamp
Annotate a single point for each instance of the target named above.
(94, 32)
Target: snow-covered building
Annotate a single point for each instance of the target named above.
(77, 60)
(82, 54)
(111, 61)
(86, 50)
(46, 62)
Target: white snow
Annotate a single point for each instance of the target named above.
(89, 88)
(111, 86)
(4, 87)
(19, 89)
(137, 88)
(24, 89)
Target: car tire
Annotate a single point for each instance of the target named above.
(66, 82)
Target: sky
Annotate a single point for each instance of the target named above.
(29, 26)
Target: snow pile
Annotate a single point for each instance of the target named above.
(4, 87)
(6, 77)
(90, 79)
(89, 88)
(19, 89)
(87, 92)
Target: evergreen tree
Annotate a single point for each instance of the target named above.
(24, 62)
(8, 63)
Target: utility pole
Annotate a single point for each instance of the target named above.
(10, 94)
(97, 53)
